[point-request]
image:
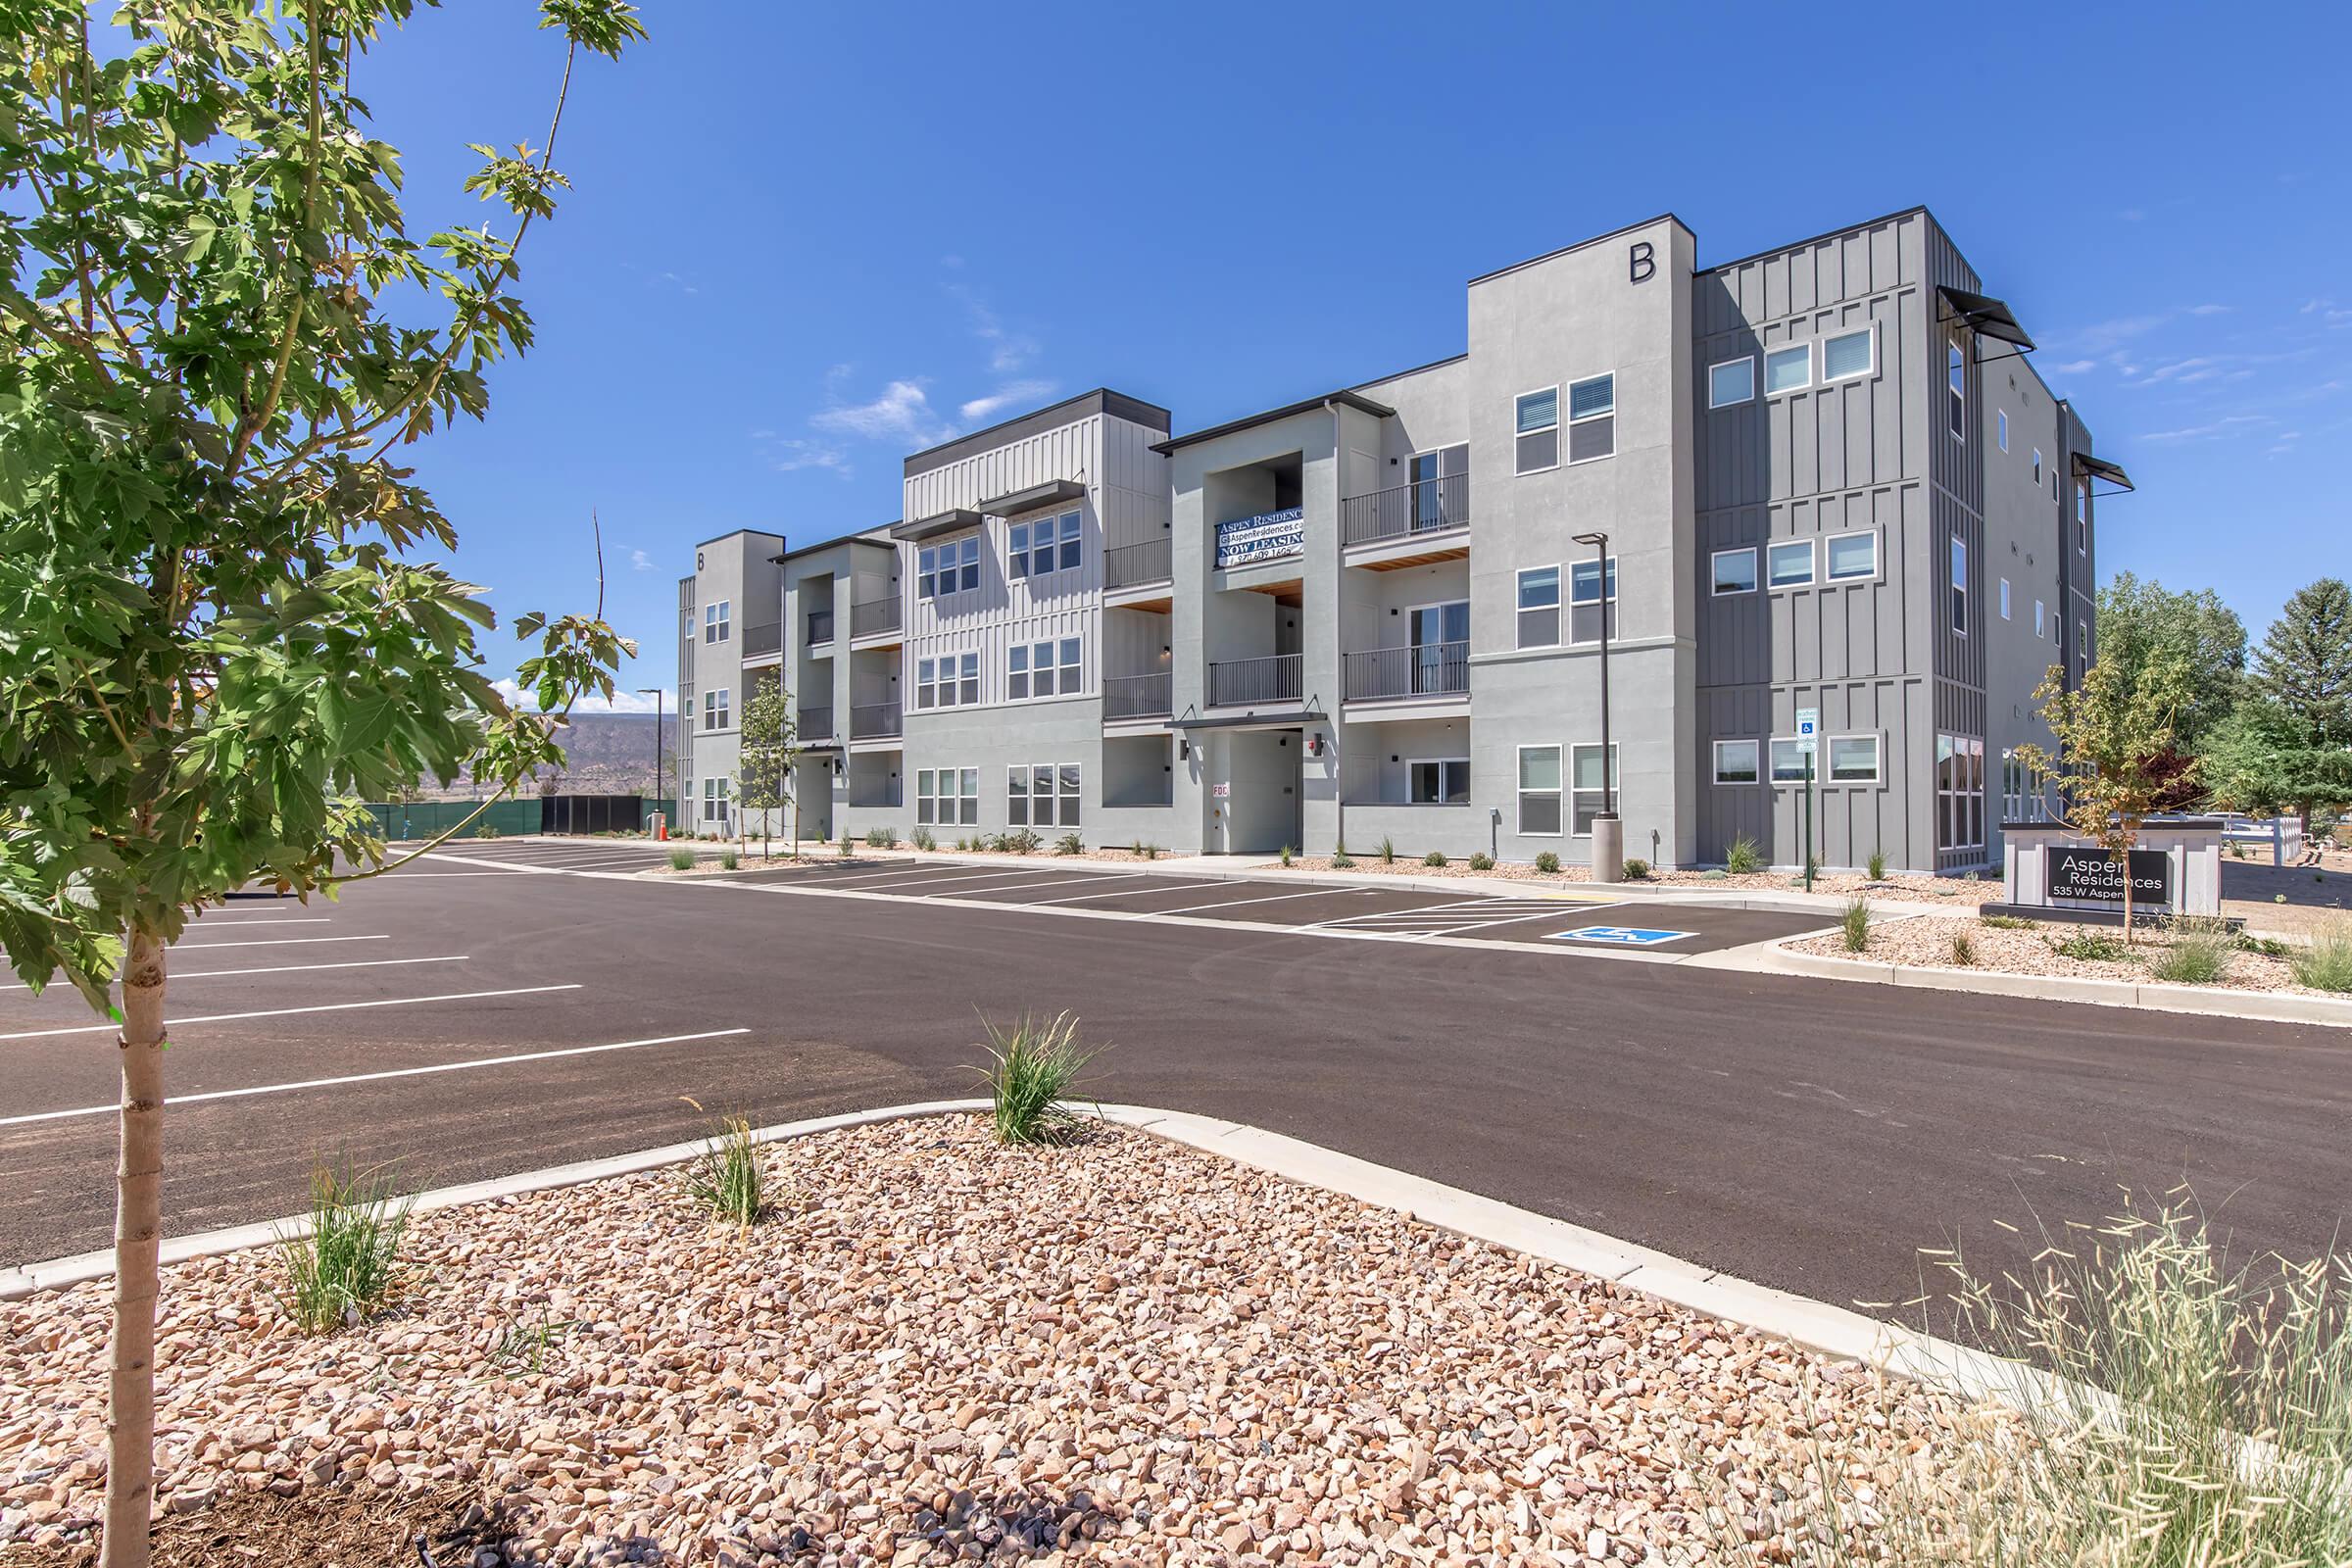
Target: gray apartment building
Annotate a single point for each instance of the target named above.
(1824, 478)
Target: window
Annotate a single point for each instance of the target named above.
(1959, 792)
(1959, 585)
(1956, 377)
(1852, 555)
(926, 572)
(970, 692)
(1585, 602)
(1016, 548)
(1586, 796)
(1736, 571)
(1049, 544)
(1441, 781)
(2040, 625)
(715, 795)
(716, 621)
(936, 684)
(1016, 673)
(2082, 517)
(1788, 563)
(1540, 607)
(1030, 795)
(1031, 670)
(714, 709)
(1736, 761)
(1849, 355)
(1017, 794)
(2037, 467)
(947, 796)
(1789, 369)
(1538, 430)
(2083, 639)
(1540, 791)
(1591, 418)
(1789, 761)
(2004, 599)
(1069, 794)
(1853, 759)
(952, 568)
(1730, 382)
(1071, 550)
(2003, 427)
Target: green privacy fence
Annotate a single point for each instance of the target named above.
(424, 819)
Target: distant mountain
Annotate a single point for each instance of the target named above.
(604, 754)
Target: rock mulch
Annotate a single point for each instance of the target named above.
(1900, 885)
(1122, 1351)
(1927, 940)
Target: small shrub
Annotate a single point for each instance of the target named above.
(1388, 851)
(1481, 861)
(1635, 868)
(729, 861)
(1743, 858)
(1151, 851)
(2092, 946)
(2268, 947)
(2004, 922)
(1022, 843)
(727, 1180)
(924, 839)
(847, 846)
(488, 830)
(1877, 866)
(1031, 1069)
(681, 859)
(1069, 844)
(2326, 965)
(1853, 923)
(2278, 898)
(1964, 951)
(1286, 854)
(347, 1264)
(1716, 873)
(1434, 857)
(882, 838)
(1342, 860)
(1548, 862)
(2198, 953)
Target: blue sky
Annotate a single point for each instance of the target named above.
(804, 241)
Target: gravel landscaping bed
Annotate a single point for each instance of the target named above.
(1928, 940)
(1895, 885)
(1125, 1350)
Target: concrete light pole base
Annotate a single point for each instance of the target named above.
(1608, 849)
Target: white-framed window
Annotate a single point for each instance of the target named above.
(1536, 418)
(2083, 639)
(1016, 672)
(951, 680)
(716, 705)
(1042, 795)
(1959, 585)
(947, 796)
(2041, 626)
(1788, 563)
(717, 620)
(1735, 571)
(1540, 791)
(1787, 759)
(1039, 669)
(967, 690)
(1959, 792)
(953, 567)
(1593, 417)
(1851, 556)
(2002, 427)
(1439, 780)
(716, 793)
(1586, 792)
(1731, 381)
(1588, 602)
(926, 572)
(1853, 759)
(1736, 761)
(1849, 355)
(2038, 467)
(1956, 379)
(1044, 543)
(1540, 607)
(2082, 517)
(2004, 599)
(1789, 368)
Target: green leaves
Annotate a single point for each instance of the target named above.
(601, 27)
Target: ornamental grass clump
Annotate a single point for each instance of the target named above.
(681, 859)
(1853, 923)
(2326, 965)
(1742, 856)
(344, 1266)
(729, 861)
(727, 1180)
(2199, 951)
(1031, 1069)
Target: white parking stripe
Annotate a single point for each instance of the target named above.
(933, 877)
(1096, 877)
(272, 941)
(1268, 898)
(298, 968)
(284, 1013)
(210, 915)
(373, 1077)
(1081, 898)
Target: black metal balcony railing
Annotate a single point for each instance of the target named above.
(768, 639)
(816, 724)
(1138, 696)
(1241, 682)
(874, 614)
(1426, 505)
(873, 720)
(1430, 669)
(1133, 565)
(820, 626)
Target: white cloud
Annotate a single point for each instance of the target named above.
(789, 457)
(1005, 397)
(639, 561)
(903, 412)
(2227, 424)
(2075, 367)
(623, 701)
(1008, 351)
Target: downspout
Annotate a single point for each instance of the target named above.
(1339, 657)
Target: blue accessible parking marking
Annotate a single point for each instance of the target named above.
(1620, 936)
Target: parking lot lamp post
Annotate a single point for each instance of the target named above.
(1609, 833)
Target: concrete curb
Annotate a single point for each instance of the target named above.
(1831, 1331)
(1775, 957)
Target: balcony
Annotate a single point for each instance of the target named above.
(873, 722)
(815, 724)
(1407, 516)
(1138, 696)
(1138, 565)
(870, 617)
(821, 627)
(1254, 682)
(762, 639)
(893, 793)
(1430, 670)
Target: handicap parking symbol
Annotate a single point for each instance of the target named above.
(1620, 936)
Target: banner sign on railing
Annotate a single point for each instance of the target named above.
(1268, 536)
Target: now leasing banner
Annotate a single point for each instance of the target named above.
(1268, 536)
(2096, 876)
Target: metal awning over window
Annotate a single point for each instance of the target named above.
(2101, 469)
(1984, 315)
(947, 521)
(1052, 493)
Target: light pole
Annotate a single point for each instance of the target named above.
(1609, 833)
(654, 692)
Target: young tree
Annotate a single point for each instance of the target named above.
(2295, 742)
(2262, 762)
(2141, 622)
(215, 641)
(2115, 756)
(765, 762)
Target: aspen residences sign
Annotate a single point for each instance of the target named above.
(2094, 876)
(1268, 536)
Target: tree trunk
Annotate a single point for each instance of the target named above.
(138, 1222)
(2129, 937)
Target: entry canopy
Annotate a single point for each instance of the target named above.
(2101, 469)
(1984, 315)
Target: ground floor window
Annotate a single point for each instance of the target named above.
(1043, 795)
(1790, 760)
(1587, 794)
(1853, 759)
(1959, 792)
(1441, 781)
(1540, 790)
(2022, 799)
(1736, 761)
(947, 796)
